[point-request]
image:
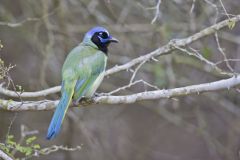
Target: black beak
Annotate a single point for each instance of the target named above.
(112, 39)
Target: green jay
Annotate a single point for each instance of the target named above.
(82, 73)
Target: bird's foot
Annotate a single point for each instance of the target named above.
(75, 103)
(99, 94)
(96, 94)
(84, 101)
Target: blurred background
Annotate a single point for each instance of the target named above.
(38, 35)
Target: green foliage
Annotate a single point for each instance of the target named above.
(27, 148)
(231, 24)
(4, 69)
(2, 73)
(19, 88)
(4, 148)
(207, 52)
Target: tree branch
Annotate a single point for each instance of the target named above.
(4, 156)
(166, 49)
(41, 93)
(127, 99)
(171, 45)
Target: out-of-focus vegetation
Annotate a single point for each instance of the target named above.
(36, 36)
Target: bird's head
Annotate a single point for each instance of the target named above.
(100, 37)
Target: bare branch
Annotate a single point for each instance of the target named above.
(193, 6)
(41, 93)
(200, 57)
(157, 12)
(169, 47)
(4, 156)
(136, 70)
(169, 93)
(127, 99)
(225, 11)
(223, 53)
(19, 24)
(130, 85)
(54, 148)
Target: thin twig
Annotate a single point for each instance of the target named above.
(136, 70)
(223, 53)
(166, 49)
(157, 12)
(200, 57)
(225, 11)
(193, 6)
(130, 85)
(20, 23)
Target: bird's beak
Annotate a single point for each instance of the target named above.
(112, 39)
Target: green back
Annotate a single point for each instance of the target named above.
(82, 67)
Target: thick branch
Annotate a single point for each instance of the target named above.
(127, 99)
(41, 93)
(4, 156)
(158, 52)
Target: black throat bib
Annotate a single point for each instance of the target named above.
(101, 46)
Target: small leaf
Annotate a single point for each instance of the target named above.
(11, 143)
(10, 140)
(207, 52)
(28, 152)
(19, 88)
(25, 150)
(231, 24)
(20, 148)
(36, 146)
(30, 140)
(5, 148)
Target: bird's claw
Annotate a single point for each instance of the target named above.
(96, 94)
(84, 101)
(75, 103)
(99, 95)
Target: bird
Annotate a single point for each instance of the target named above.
(82, 73)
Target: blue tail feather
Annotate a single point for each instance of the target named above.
(55, 125)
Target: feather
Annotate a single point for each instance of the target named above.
(59, 114)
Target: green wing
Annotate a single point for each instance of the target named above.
(82, 68)
(88, 64)
(85, 85)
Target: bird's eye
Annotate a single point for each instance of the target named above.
(104, 35)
